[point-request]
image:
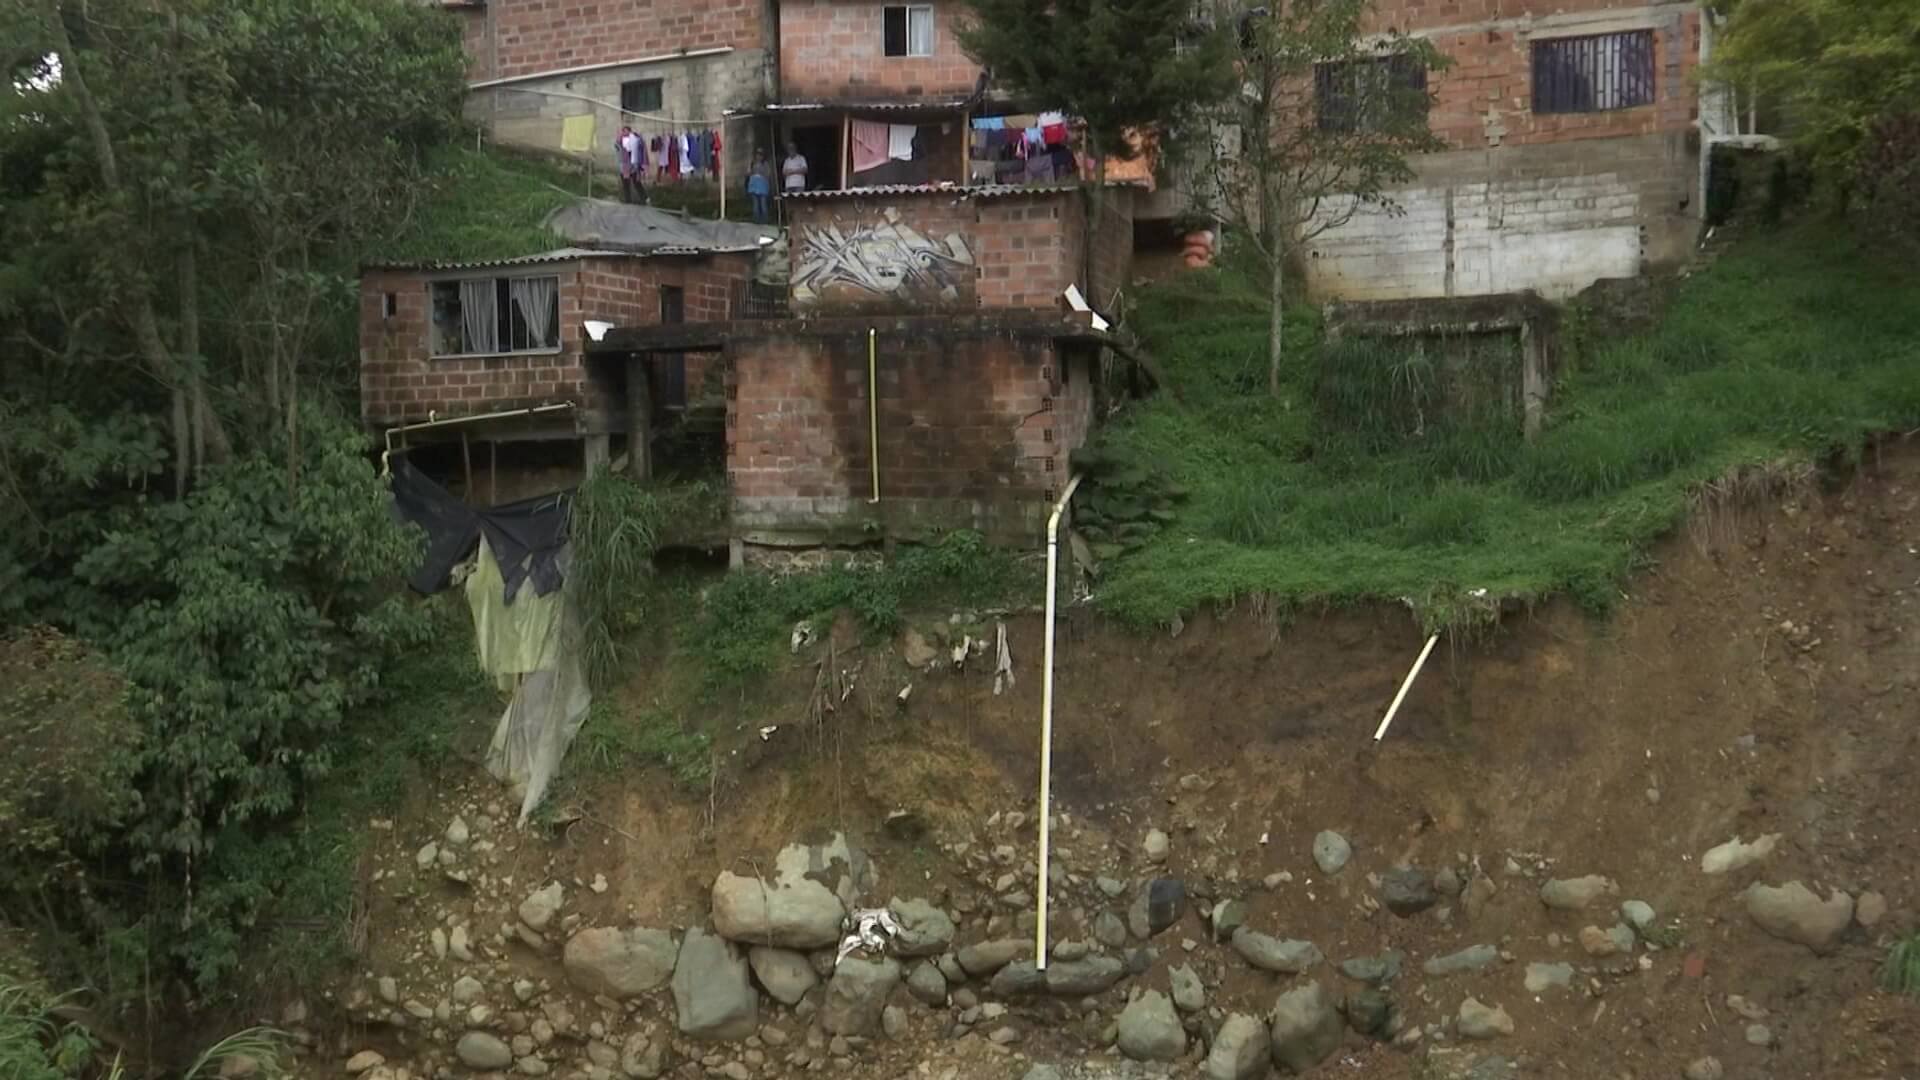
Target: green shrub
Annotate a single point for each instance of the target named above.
(1901, 972)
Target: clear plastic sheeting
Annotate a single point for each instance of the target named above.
(529, 644)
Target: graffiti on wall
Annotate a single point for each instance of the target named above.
(885, 261)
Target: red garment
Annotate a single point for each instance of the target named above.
(1054, 134)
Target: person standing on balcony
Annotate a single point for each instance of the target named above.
(760, 187)
(793, 171)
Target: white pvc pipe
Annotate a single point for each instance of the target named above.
(1405, 685)
(1046, 718)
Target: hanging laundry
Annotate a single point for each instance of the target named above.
(1047, 119)
(1035, 137)
(686, 155)
(1054, 134)
(900, 141)
(870, 144)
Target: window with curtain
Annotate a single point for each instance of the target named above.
(495, 316)
(907, 29)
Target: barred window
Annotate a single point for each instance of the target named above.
(1368, 95)
(1593, 73)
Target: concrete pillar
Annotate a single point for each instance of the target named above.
(598, 447)
(1536, 382)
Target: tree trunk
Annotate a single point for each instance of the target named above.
(1275, 322)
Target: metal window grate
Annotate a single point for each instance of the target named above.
(1363, 95)
(1594, 73)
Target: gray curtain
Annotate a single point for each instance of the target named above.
(480, 316)
(535, 299)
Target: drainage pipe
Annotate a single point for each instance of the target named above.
(433, 421)
(1046, 717)
(873, 410)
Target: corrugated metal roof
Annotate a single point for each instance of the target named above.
(565, 254)
(976, 191)
(896, 105)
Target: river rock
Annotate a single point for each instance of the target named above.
(1792, 912)
(1369, 1012)
(1374, 969)
(1407, 892)
(619, 963)
(1736, 854)
(1637, 914)
(1080, 978)
(1240, 1050)
(484, 1051)
(1704, 1068)
(1472, 958)
(1572, 894)
(857, 994)
(1108, 930)
(1544, 977)
(1331, 852)
(539, 908)
(1610, 942)
(925, 930)
(467, 990)
(1870, 909)
(712, 996)
(363, 1061)
(1478, 1021)
(1189, 994)
(1306, 1028)
(786, 975)
(927, 985)
(799, 913)
(1272, 954)
(986, 957)
(1228, 916)
(1150, 1029)
(1018, 979)
(1154, 847)
(1159, 905)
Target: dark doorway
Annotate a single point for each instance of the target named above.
(820, 145)
(670, 369)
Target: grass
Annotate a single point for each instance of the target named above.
(1901, 973)
(613, 740)
(1360, 483)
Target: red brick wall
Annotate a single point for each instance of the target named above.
(1025, 249)
(1486, 96)
(531, 36)
(970, 432)
(401, 381)
(833, 49)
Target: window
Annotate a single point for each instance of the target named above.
(389, 305)
(907, 29)
(1369, 95)
(491, 316)
(641, 96)
(1593, 73)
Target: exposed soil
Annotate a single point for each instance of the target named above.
(1762, 676)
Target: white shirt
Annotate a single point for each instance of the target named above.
(794, 173)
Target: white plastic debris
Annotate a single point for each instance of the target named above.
(873, 929)
(1003, 664)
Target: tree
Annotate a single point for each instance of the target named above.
(1130, 71)
(1322, 126)
(1843, 78)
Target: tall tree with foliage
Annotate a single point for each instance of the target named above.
(1134, 73)
(1843, 79)
(186, 191)
(1326, 116)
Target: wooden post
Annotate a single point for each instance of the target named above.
(639, 417)
(493, 472)
(846, 151)
(966, 147)
(466, 463)
(720, 165)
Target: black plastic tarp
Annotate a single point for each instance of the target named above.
(526, 536)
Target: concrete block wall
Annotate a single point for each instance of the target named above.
(530, 113)
(974, 432)
(833, 49)
(401, 381)
(1553, 217)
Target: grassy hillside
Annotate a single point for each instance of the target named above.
(1795, 346)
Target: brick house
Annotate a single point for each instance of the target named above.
(442, 340)
(661, 65)
(1573, 154)
(930, 379)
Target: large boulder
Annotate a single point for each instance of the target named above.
(1793, 912)
(925, 983)
(482, 1050)
(786, 975)
(1407, 891)
(857, 994)
(986, 957)
(712, 995)
(1272, 954)
(1572, 894)
(1306, 1028)
(1239, 1051)
(1018, 979)
(840, 866)
(619, 963)
(1150, 1029)
(798, 913)
(925, 930)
